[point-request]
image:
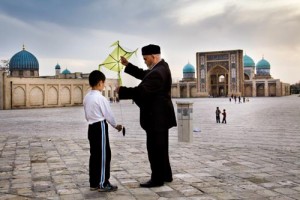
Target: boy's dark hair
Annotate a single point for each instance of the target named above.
(95, 77)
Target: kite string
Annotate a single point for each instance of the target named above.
(121, 112)
(122, 120)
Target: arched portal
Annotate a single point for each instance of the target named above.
(260, 90)
(218, 81)
(246, 77)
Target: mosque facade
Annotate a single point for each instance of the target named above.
(22, 87)
(227, 73)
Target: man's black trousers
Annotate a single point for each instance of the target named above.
(158, 154)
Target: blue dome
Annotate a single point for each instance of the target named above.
(188, 68)
(57, 66)
(66, 71)
(263, 64)
(23, 60)
(248, 61)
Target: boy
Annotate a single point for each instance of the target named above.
(224, 116)
(98, 113)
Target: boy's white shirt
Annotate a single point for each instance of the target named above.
(97, 108)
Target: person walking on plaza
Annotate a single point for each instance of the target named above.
(98, 113)
(157, 116)
(218, 112)
(224, 116)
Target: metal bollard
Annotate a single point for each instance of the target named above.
(185, 121)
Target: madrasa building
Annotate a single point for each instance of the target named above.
(227, 73)
(22, 87)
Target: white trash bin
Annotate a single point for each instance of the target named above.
(185, 121)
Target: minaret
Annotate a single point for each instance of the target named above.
(57, 70)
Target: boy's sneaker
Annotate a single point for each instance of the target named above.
(108, 188)
(94, 188)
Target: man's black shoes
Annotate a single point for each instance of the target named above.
(169, 180)
(150, 184)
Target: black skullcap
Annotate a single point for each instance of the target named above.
(151, 49)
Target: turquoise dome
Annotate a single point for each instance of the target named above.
(248, 61)
(23, 60)
(188, 68)
(66, 71)
(263, 64)
(57, 66)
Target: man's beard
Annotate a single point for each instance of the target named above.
(150, 66)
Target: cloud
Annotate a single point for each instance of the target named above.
(195, 11)
(81, 31)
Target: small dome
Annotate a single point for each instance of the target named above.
(66, 71)
(248, 61)
(263, 64)
(188, 68)
(57, 66)
(23, 60)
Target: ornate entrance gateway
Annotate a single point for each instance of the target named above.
(220, 73)
(218, 81)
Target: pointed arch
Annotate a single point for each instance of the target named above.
(18, 97)
(218, 81)
(36, 96)
(78, 96)
(52, 96)
(65, 95)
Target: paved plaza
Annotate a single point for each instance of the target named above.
(44, 153)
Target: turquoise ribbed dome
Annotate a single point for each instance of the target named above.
(57, 66)
(188, 68)
(248, 61)
(23, 60)
(66, 71)
(263, 64)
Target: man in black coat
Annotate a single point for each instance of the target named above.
(157, 116)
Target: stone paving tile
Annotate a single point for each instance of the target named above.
(256, 155)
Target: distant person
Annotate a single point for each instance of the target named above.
(218, 112)
(244, 99)
(229, 99)
(224, 116)
(234, 99)
(240, 99)
(98, 113)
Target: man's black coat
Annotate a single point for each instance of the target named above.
(152, 95)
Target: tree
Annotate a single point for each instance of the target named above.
(295, 88)
(4, 65)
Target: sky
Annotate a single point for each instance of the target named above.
(77, 34)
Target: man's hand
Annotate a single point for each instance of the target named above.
(119, 127)
(124, 61)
